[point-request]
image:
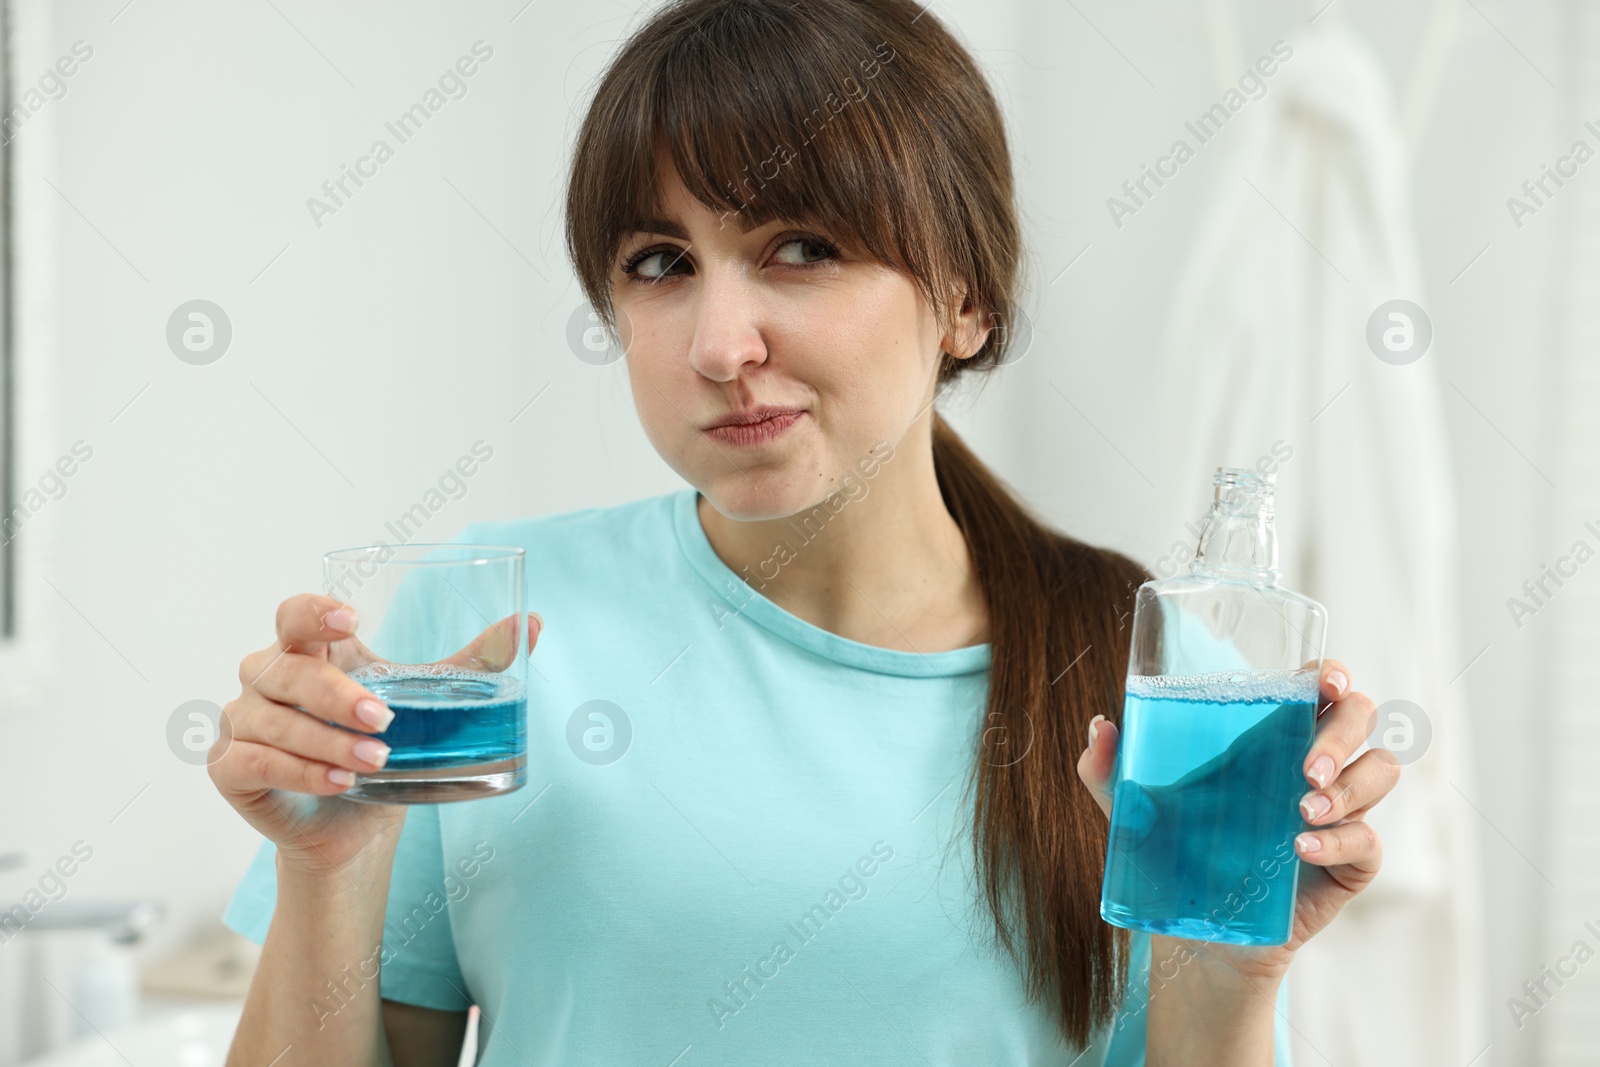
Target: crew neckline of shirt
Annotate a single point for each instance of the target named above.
(744, 599)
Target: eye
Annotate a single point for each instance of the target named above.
(650, 265)
(824, 248)
(669, 258)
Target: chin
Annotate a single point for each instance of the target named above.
(755, 495)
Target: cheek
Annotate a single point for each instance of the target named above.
(665, 400)
(890, 336)
(654, 393)
(878, 371)
(861, 400)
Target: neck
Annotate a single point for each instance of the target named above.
(886, 565)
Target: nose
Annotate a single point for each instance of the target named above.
(727, 334)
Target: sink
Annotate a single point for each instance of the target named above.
(195, 1035)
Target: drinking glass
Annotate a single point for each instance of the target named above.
(441, 638)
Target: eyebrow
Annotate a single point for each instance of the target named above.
(671, 228)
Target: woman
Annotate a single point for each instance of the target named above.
(857, 674)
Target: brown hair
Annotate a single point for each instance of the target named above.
(868, 118)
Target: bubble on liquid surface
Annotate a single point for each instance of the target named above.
(1229, 687)
(417, 670)
(434, 683)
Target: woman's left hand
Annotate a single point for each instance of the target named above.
(1343, 853)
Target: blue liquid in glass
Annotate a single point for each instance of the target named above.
(446, 717)
(1205, 805)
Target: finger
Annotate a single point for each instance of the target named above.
(248, 767)
(1097, 764)
(348, 653)
(1361, 785)
(493, 650)
(1352, 844)
(257, 719)
(1334, 681)
(308, 622)
(315, 685)
(1343, 728)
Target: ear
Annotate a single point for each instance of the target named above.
(969, 331)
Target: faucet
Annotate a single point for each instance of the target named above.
(26, 1028)
(124, 921)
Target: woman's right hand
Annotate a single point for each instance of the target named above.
(283, 768)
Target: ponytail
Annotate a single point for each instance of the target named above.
(1059, 616)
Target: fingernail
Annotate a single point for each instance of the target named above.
(340, 776)
(369, 751)
(1339, 681)
(1322, 770)
(340, 619)
(374, 714)
(1094, 730)
(1308, 843)
(536, 615)
(1315, 806)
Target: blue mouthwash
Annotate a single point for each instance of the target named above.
(1219, 715)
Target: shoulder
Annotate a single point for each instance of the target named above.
(625, 543)
(646, 517)
(593, 572)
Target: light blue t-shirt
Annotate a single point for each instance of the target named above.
(752, 852)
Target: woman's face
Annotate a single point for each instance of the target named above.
(718, 322)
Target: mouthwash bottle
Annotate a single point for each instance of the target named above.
(1218, 717)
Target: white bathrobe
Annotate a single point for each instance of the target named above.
(1309, 232)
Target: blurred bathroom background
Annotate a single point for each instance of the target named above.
(1375, 269)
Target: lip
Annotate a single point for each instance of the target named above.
(753, 427)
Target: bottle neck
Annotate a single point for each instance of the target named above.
(1238, 540)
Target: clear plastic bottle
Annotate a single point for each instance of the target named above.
(1219, 716)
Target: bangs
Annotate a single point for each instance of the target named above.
(825, 113)
(766, 114)
(793, 145)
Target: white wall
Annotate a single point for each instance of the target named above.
(370, 355)
(428, 310)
